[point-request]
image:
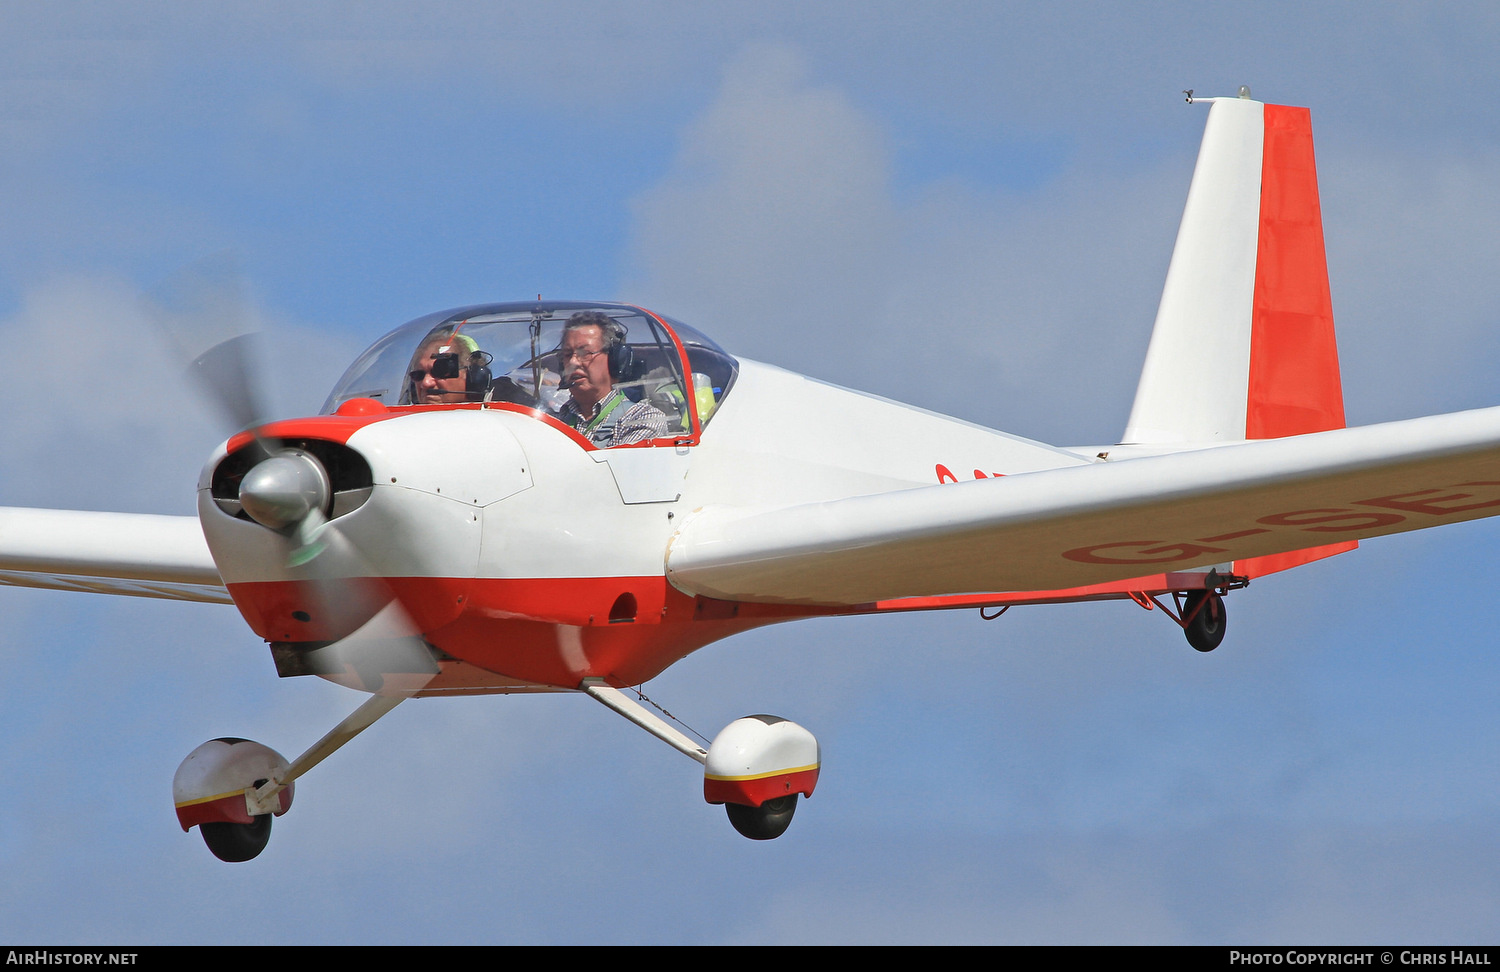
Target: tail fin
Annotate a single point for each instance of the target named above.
(1243, 346)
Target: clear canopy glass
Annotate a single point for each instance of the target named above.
(510, 353)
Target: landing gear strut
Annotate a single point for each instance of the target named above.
(757, 766)
(229, 788)
(1200, 612)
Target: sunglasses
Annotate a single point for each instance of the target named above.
(444, 367)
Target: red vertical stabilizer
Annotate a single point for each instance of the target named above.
(1294, 385)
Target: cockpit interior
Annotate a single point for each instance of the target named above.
(512, 355)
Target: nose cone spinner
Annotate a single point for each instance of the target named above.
(284, 490)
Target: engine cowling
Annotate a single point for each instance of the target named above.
(210, 785)
(760, 758)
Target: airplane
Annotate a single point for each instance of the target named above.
(570, 496)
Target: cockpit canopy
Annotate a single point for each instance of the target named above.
(511, 353)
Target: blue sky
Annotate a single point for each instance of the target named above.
(856, 191)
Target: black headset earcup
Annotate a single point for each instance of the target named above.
(620, 360)
(478, 377)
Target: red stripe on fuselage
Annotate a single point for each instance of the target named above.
(558, 631)
(549, 631)
(1150, 584)
(303, 611)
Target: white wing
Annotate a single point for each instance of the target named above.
(1081, 525)
(137, 554)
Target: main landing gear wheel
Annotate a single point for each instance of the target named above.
(236, 842)
(765, 822)
(1208, 621)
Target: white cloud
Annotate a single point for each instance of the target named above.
(779, 230)
(776, 213)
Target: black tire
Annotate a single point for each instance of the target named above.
(235, 842)
(1206, 629)
(765, 822)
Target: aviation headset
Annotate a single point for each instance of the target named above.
(614, 333)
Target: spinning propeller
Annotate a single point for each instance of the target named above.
(289, 492)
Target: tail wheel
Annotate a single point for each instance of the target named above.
(236, 842)
(1208, 621)
(765, 822)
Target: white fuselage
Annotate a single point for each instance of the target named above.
(500, 527)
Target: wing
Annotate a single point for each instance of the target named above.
(1082, 525)
(138, 554)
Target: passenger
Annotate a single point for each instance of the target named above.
(445, 370)
(592, 356)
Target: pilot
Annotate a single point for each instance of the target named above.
(592, 356)
(448, 368)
